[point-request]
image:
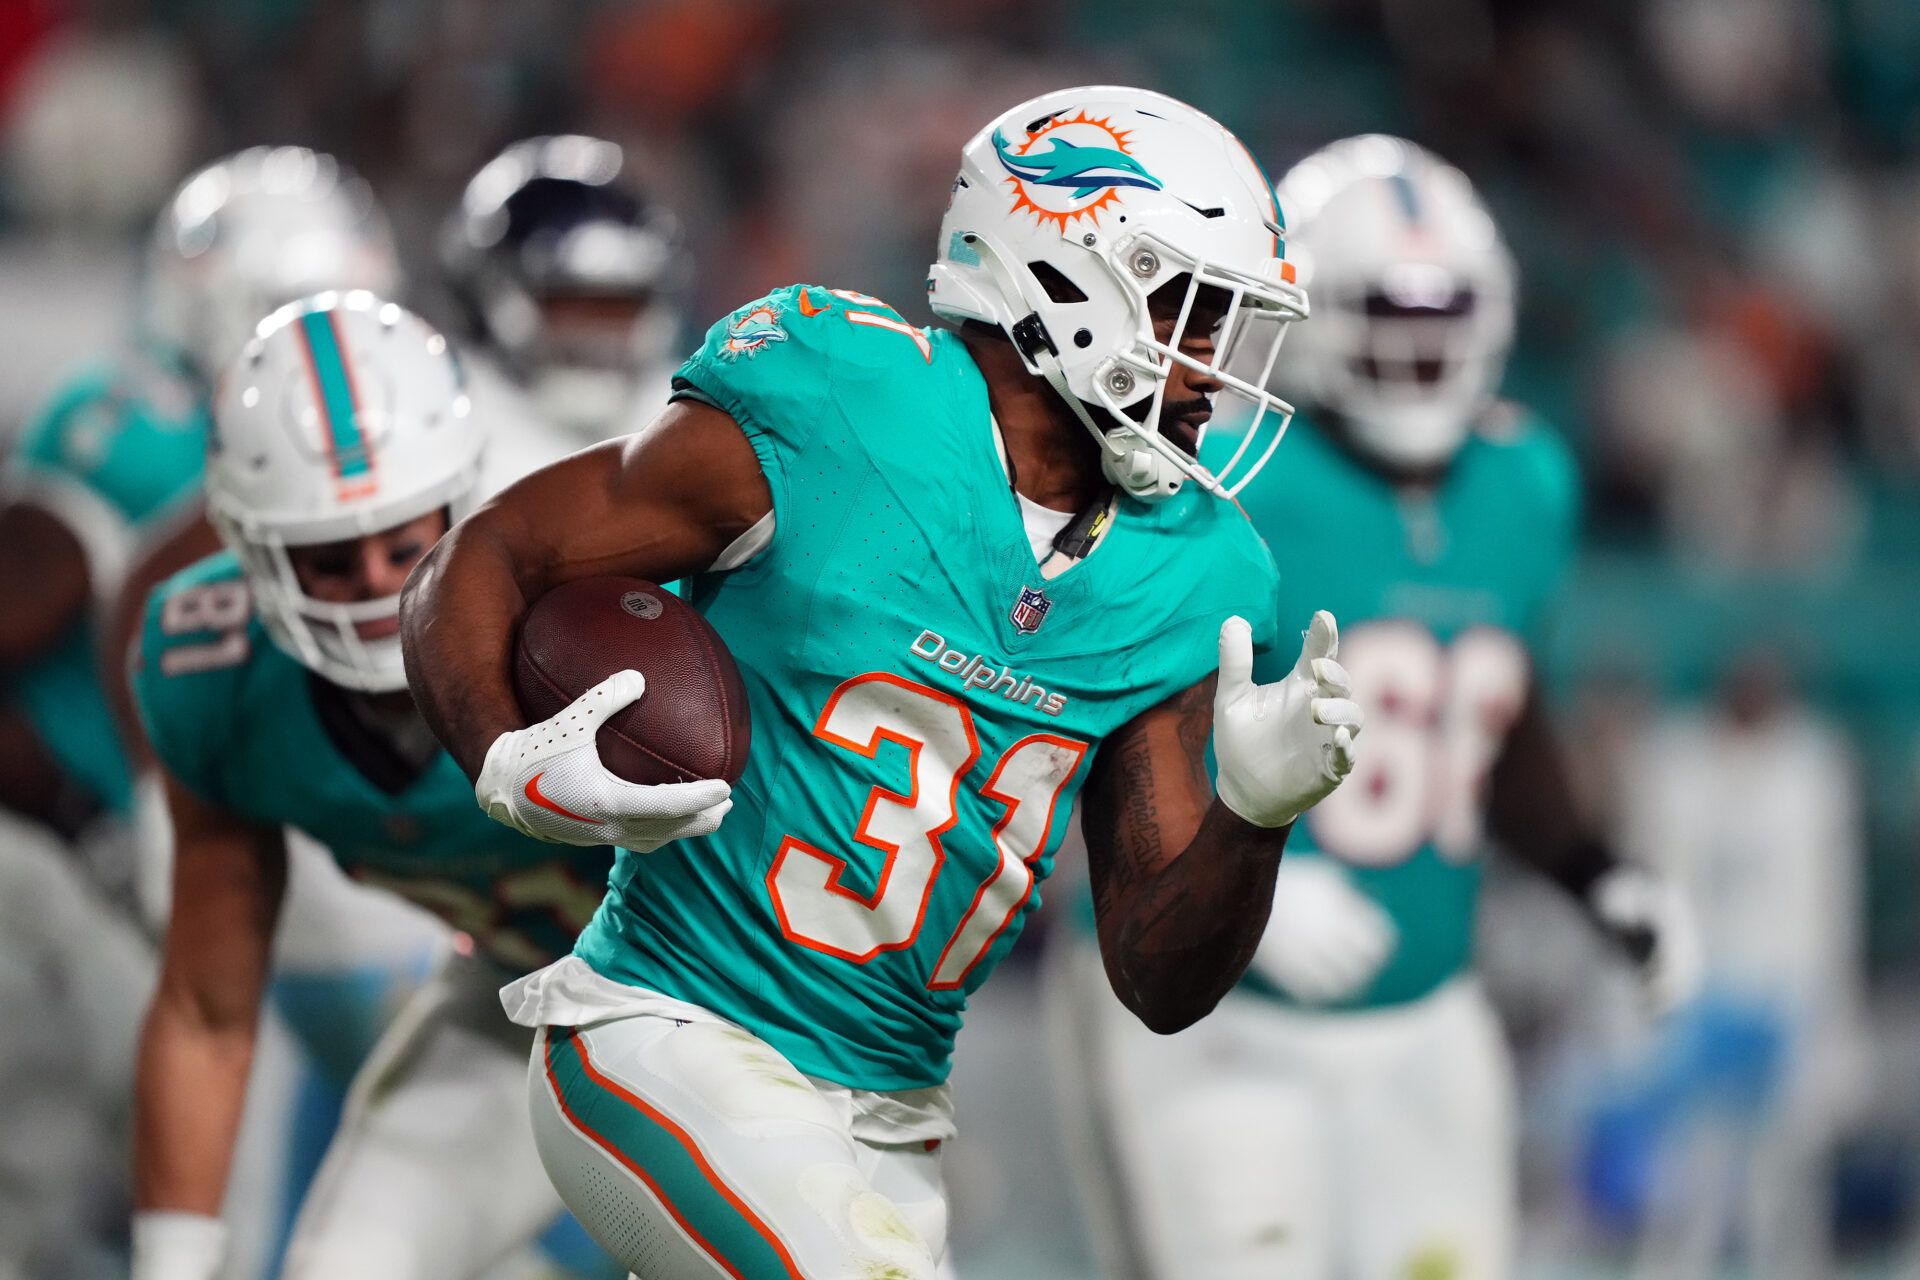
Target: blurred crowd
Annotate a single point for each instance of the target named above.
(1712, 204)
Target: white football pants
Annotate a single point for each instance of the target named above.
(1270, 1143)
(692, 1150)
(433, 1173)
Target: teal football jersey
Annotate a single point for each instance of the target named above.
(247, 728)
(1440, 597)
(925, 705)
(117, 447)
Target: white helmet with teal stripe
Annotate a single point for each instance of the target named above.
(1414, 290)
(1068, 213)
(345, 415)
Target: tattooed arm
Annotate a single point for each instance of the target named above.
(1181, 886)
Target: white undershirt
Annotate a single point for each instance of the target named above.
(1043, 525)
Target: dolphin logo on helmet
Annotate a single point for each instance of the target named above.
(1065, 164)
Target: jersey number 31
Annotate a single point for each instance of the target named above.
(937, 731)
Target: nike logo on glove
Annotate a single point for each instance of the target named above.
(533, 794)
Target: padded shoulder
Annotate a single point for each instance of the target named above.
(198, 639)
(132, 432)
(774, 363)
(1541, 468)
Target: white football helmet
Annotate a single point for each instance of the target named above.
(1068, 213)
(1414, 293)
(254, 232)
(345, 415)
(553, 225)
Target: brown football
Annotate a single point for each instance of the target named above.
(692, 722)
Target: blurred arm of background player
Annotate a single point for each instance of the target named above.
(45, 583)
(1532, 812)
(46, 586)
(196, 1047)
(188, 539)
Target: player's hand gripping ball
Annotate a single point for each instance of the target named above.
(641, 721)
(1282, 747)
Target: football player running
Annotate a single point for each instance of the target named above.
(568, 276)
(1348, 1110)
(271, 689)
(965, 572)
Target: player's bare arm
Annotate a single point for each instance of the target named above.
(1181, 884)
(658, 505)
(196, 1047)
(1182, 873)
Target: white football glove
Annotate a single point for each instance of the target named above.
(547, 781)
(1652, 921)
(1280, 748)
(1325, 939)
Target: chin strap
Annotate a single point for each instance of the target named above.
(1142, 473)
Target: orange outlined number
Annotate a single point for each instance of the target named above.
(817, 911)
(863, 312)
(1033, 770)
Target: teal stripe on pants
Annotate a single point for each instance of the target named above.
(649, 1144)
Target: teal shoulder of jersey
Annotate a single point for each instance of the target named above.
(188, 697)
(1489, 544)
(238, 723)
(133, 432)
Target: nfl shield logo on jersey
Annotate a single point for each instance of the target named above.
(1030, 610)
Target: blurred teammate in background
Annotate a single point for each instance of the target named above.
(1348, 1110)
(110, 470)
(270, 685)
(118, 451)
(567, 275)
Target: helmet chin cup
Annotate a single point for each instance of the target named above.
(1142, 473)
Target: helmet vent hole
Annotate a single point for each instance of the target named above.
(1055, 282)
(1083, 338)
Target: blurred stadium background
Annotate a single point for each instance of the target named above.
(1716, 209)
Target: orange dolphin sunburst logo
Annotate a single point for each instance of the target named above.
(1070, 167)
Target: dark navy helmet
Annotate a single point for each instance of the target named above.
(569, 273)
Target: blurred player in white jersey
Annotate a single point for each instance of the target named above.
(567, 274)
(1347, 1112)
